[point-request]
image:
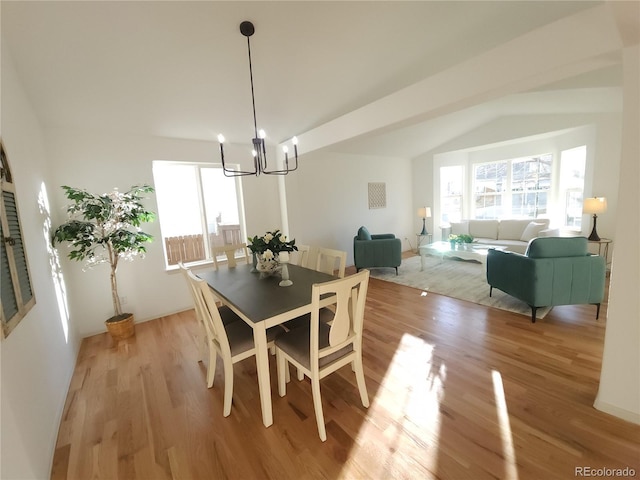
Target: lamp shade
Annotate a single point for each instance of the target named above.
(424, 212)
(594, 205)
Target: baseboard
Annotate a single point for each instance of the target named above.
(140, 320)
(629, 416)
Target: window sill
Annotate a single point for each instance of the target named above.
(192, 266)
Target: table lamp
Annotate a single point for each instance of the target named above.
(594, 205)
(424, 213)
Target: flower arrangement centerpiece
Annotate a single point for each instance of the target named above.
(267, 248)
(460, 240)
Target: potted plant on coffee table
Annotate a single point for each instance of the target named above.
(105, 229)
(461, 240)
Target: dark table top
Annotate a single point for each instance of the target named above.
(259, 297)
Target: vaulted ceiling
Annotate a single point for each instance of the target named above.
(180, 69)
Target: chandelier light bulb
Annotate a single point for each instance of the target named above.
(294, 140)
(221, 138)
(254, 153)
(261, 134)
(285, 149)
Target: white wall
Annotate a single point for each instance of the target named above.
(99, 162)
(38, 357)
(619, 390)
(423, 195)
(327, 199)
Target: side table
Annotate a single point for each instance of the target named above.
(603, 248)
(420, 240)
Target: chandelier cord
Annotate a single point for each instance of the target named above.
(253, 97)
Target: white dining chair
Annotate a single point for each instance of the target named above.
(230, 253)
(329, 260)
(232, 340)
(226, 314)
(324, 260)
(202, 338)
(320, 349)
(300, 257)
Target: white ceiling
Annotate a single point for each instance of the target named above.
(180, 69)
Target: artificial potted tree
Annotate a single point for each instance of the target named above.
(105, 229)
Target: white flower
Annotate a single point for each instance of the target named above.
(268, 237)
(267, 255)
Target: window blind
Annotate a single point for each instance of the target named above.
(16, 291)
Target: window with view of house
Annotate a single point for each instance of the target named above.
(572, 171)
(549, 185)
(198, 208)
(451, 193)
(17, 292)
(489, 183)
(512, 188)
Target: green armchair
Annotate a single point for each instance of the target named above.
(553, 271)
(376, 251)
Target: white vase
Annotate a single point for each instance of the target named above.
(269, 266)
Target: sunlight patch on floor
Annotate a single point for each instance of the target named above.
(511, 472)
(406, 406)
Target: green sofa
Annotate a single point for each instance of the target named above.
(553, 271)
(376, 251)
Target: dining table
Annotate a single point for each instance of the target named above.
(262, 303)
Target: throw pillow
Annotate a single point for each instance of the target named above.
(363, 234)
(532, 231)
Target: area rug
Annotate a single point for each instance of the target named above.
(464, 280)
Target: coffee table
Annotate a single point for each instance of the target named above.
(465, 251)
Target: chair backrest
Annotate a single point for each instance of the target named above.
(301, 257)
(230, 253)
(196, 305)
(349, 295)
(327, 259)
(210, 314)
(554, 247)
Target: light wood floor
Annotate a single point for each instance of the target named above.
(457, 391)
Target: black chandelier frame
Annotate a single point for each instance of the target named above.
(260, 165)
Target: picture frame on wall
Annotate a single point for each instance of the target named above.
(377, 195)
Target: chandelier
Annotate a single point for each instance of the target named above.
(259, 150)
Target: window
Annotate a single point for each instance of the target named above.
(198, 208)
(489, 183)
(17, 292)
(530, 184)
(572, 168)
(512, 188)
(451, 186)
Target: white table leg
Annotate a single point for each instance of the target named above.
(262, 364)
(421, 261)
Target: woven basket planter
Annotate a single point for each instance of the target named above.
(121, 329)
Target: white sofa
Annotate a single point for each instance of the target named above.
(513, 234)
